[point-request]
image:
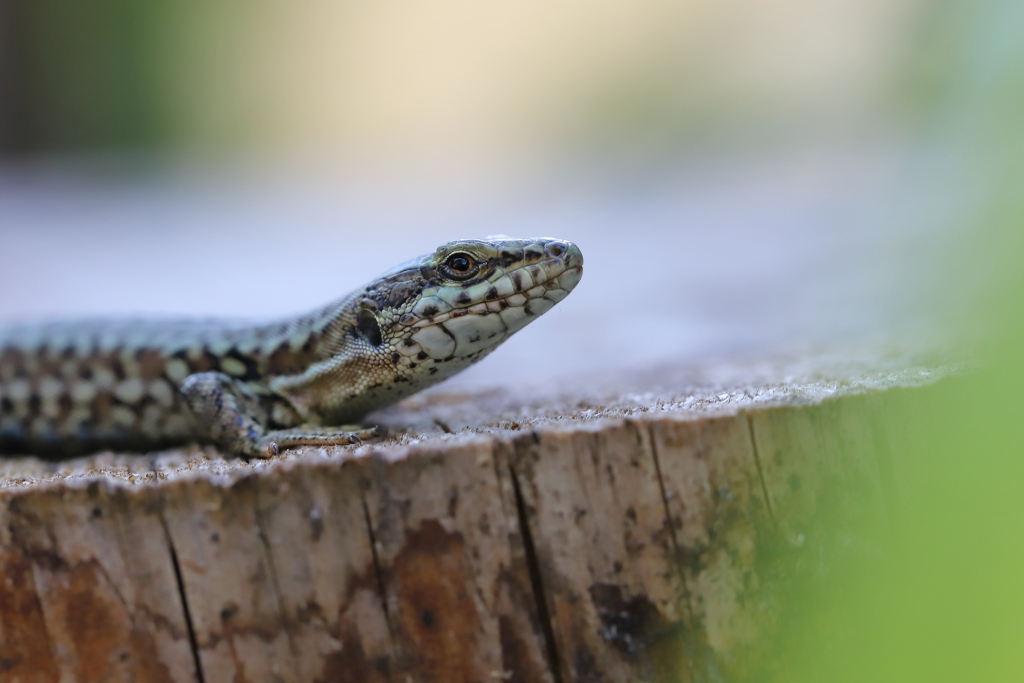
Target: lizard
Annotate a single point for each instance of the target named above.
(69, 387)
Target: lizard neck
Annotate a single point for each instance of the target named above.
(290, 347)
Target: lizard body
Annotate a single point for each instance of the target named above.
(71, 387)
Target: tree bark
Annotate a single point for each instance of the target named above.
(588, 537)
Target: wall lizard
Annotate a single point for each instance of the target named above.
(73, 387)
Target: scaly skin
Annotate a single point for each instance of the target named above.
(68, 388)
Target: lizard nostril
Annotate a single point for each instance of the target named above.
(556, 250)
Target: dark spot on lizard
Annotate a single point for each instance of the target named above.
(532, 255)
(151, 364)
(117, 367)
(462, 298)
(368, 328)
(430, 311)
(203, 363)
(492, 293)
(402, 292)
(282, 360)
(101, 407)
(422, 355)
(396, 356)
(251, 371)
(517, 281)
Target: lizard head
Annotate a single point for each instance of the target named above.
(435, 315)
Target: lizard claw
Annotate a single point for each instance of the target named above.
(270, 450)
(367, 433)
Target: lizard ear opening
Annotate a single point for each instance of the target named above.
(368, 328)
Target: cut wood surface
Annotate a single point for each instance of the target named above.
(556, 534)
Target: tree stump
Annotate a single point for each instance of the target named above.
(647, 532)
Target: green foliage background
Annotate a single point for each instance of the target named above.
(945, 601)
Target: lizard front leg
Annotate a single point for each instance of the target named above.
(230, 412)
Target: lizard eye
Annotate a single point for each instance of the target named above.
(460, 266)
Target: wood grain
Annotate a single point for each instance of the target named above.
(573, 537)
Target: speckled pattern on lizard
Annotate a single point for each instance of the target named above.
(73, 387)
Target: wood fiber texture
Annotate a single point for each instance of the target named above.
(634, 543)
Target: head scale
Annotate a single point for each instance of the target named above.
(432, 316)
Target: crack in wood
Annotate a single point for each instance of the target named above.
(377, 570)
(757, 463)
(183, 596)
(536, 580)
(282, 611)
(676, 547)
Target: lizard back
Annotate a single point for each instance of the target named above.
(70, 387)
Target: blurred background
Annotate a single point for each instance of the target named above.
(741, 177)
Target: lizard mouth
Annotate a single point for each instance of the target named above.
(563, 283)
(475, 329)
